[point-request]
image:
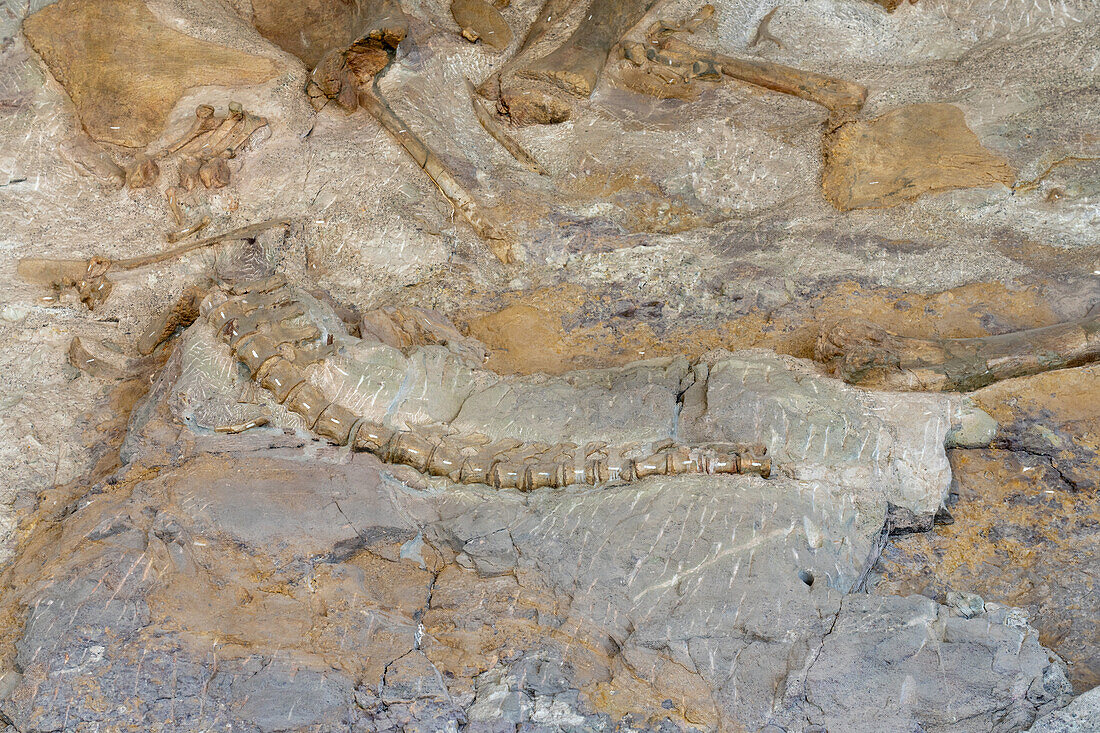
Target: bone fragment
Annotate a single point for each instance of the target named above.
(214, 173)
(763, 31)
(189, 173)
(88, 277)
(179, 234)
(241, 427)
(497, 132)
(437, 171)
(576, 64)
(870, 356)
(90, 159)
(654, 84)
(99, 360)
(407, 327)
(204, 122)
(215, 141)
(552, 11)
(835, 95)
(142, 173)
(182, 314)
(481, 20)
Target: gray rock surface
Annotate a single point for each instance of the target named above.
(823, 429)
(1080, 716)
(230, 582)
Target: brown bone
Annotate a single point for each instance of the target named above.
(836, 95)
(576, 64)
(865, 354)
(441, 176)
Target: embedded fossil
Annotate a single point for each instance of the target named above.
(262, 322)
(870, 356)
(480, 21)
(89, 277)
(441, 176)
(203, 149)
(836, 95)
(498, 133)
(543, 90)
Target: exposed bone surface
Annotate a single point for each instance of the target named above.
(124, 69)
(182, 551)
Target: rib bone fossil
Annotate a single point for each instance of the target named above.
(262, 322)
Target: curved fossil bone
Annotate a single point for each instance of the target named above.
(274, 352)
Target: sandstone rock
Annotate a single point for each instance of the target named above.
(264, 591)
(907, 152)
(1056, 415)
(582, 406)
(125, 70)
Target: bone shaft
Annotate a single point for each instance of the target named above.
(577, 63)
(552, 11)
(437, 171)
(831, 93)
(497, 132)
(972, 363)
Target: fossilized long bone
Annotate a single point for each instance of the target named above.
(836, 95)
(441, 176)
(870, 356)
(261, 322)
(89, 277)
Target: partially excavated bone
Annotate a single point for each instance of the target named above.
(89, 277)
(551, 12)
(441, 176)
(480, 21)
(834, 94)
(406, 327)
(542, 91)
(90, 159)
(261, 322)
(493, 126)
(576, 64)
(871, 356)
(182, 314)
(100, 360)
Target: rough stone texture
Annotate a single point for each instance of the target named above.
(1022, 536)
(822, 429)
(251, 588)
(905, 153)
(1025, 517)
(676, 226)
(125, 70)
(1056, 415)
(1080, 716)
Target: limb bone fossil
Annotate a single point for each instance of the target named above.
(834, 94)
(864, 354)
(261, 323)
(441, 176)
(89, 277)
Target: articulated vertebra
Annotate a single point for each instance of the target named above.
(256, 320)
